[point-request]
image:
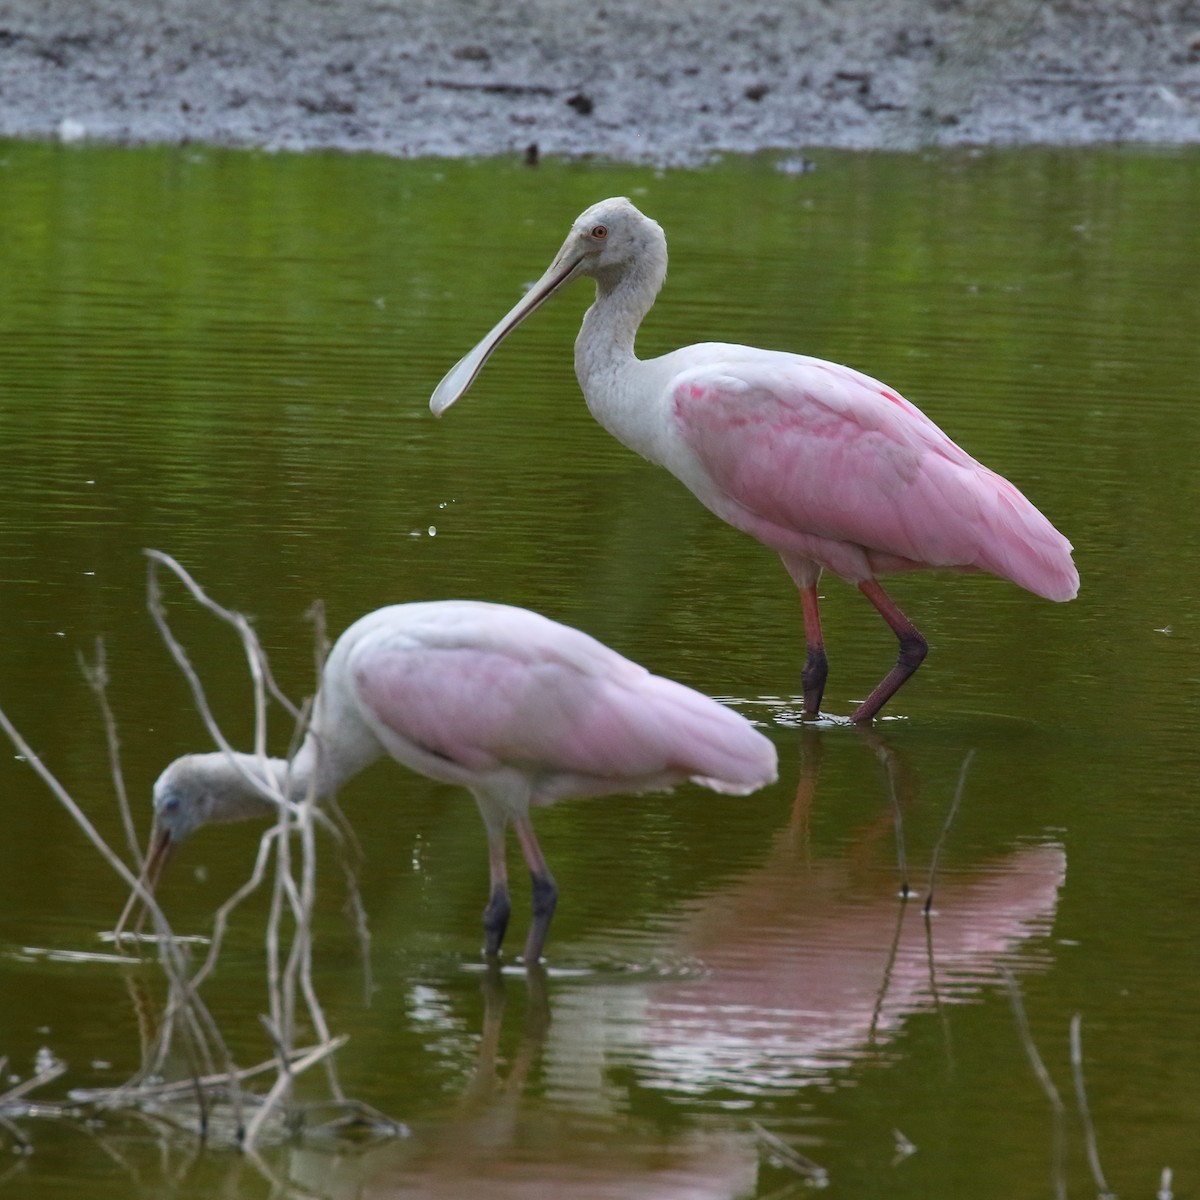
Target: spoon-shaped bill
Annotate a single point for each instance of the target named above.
(462, 374)
(152, 869)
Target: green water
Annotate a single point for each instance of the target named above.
(229, 356)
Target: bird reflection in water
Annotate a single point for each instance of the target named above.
(811, 964)
(804, 966)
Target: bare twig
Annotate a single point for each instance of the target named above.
(1035, 1059)
(14, 1131)
(158, 613)
(1039, 1069)
(1089, 1130)
(285, 978)
(283, 1081)
(236, 619)
(789, 1156)
(185, 1022)
(298, 1060)
(81, 819)
(279, 1089)
(888, 967)
(97, 679)
(889, 767)
(937, 848)
(49, 1075)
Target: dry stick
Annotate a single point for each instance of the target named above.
(280, 1186)
(1089, 1130)
(80, 818)
(328, 814)
(1039, 1069)
(281, 984)
(888, 968)
(898, 820)
(349, 855)
(170, 955)
(298, 970)
(97, 680)
(199, 1028)
(283, 1082)
(298, 1060)
(299, 966)
(275, 997)
(938, 1006)
(113, 1153)
(300, 963)
(199, 1024)
(17, 1136)
(260, 676)
(221, 918)
(192, 1042)
(255, 657)
(937, 848)
(158, 613)
(49, 1075)
(310, 812)
(288, 891)
(230, 617)
(788, 1156)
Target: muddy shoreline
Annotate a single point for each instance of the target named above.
(664, 83)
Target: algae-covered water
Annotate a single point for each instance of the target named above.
(228, 356)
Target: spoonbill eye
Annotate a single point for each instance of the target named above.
(599, 232)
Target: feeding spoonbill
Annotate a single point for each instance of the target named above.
(825, 465)
(515, 707)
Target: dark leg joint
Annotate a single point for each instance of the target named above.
(816, 671)
(913, 648)
(495, 921)
(545, 897)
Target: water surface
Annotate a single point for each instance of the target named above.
(228, 356)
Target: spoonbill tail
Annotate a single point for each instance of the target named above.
(515, 707)
(827, 466)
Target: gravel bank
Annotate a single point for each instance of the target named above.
(666, 81)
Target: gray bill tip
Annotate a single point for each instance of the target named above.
(452, 386)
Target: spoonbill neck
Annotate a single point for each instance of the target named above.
(624, 295)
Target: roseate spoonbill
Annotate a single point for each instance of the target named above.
(827, 466)
(517, 708)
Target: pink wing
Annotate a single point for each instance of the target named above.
(525, 692)
(860, 478)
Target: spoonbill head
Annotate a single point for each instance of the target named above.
(827, 466)
(607, 242)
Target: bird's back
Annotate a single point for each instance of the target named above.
(462, 690)
(823, 462)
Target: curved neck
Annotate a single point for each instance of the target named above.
(240, 784)
(624, 295)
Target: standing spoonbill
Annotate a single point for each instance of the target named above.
(520, 710)
(827, 466)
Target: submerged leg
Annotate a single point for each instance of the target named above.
(805, 575)
(545, 891)
(816, 664)
(913, 648)
(496, 914)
